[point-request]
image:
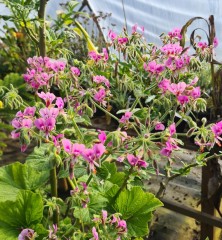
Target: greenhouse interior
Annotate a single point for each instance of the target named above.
(110, 120)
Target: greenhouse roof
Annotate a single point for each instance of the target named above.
(156, 16)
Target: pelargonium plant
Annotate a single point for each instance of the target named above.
(85, 182)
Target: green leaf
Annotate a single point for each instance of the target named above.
(136, 207)
(201, 157)
(142, 113)
(106, 170)
(42, 158)
(18, 176)
(109, 171)
(150, 98)
(96, 203)
(24, 212)
(82, 214)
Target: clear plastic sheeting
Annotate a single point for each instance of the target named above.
(158, 16)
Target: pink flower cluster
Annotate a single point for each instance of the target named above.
(41, 70)
(46, 122)
(153, 68)
(119, 225)
(170, 143)
(23, 120)
(184, 92)
(91, 155)
(217, 131)
(121, 41)
(202, 45)
(100, 95)
(135, 28)
(97, 57)
(176, 59)
(172, 50)
(175, 34)
(101, 79)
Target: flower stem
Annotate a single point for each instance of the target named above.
(54, 193)
(78, 132)
(105, 111)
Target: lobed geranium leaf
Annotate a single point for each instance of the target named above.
(136, 207)
(42, 158)
(25, 212)
(17, 176)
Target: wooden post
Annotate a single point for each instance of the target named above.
(207, 205)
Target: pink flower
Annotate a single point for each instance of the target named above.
(98, 150)
(167, 150)
(172, 129)
(30, 111)
(26, 234)
(77, 149)
(59, 103)
(125, 118)
(215, 42)
(102, 136)
(67, 145)
(49, 112)
(179, 63)
(56, 138)
(104, 216)
(122, 226)
(95, 56)
(100, 95)
(47, 97)
(135, 161)
(194, 81)
(95, 234)
(196, 92)
(105, 54)
(217, 129)
(93, 154)
(182, 99)
(134, 28)
(159, 126)
(45, 125)
(153, 67)
(122, 40)
(202, 45)
(177, 89)
(112, 35)
(75, 71)
(27, 123)
(164, 85)
(57, 66)
(15, 134)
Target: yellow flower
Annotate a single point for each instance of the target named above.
(1, 105)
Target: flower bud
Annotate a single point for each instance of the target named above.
(190, 132)
(204, 121)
